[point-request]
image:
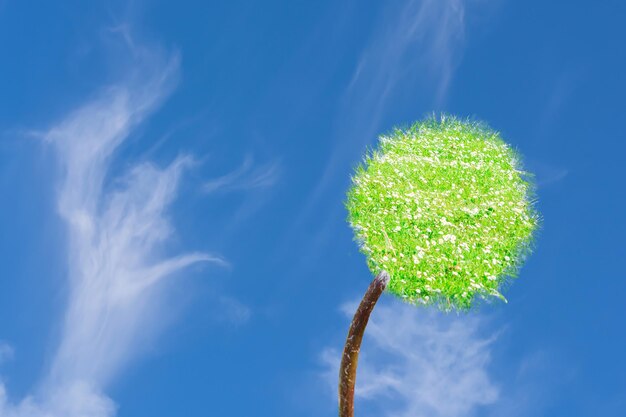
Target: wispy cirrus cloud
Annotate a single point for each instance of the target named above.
(419, 363)
(545, 174)
(116, 231)
(247, 177)
(417, 44)
(232, 311)
(415, 39)
(415, 48)
(6, 352)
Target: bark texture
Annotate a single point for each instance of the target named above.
(350, 358)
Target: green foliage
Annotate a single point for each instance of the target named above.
(445, 209)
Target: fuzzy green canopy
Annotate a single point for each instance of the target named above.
(445, 208)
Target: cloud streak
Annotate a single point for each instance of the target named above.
(418, 363)
(246, 177)
(545, 174)
(416, 46)
(116, 231)
(6, 352)
(418, 39)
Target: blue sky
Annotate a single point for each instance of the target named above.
(172, 232)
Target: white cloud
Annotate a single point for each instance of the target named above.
(75, 400)
(416, 39)
(116, 230)
(545, 174)
(246, 177)
(415, 47)
(6, 352)
(417, 362)
(232, 311)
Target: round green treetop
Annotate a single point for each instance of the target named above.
(445, 209)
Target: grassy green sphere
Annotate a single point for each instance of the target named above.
(445, 208)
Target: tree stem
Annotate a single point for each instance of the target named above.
(350, 358)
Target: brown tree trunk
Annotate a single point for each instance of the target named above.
(350, 358)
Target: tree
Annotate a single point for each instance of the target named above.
(444, 215)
